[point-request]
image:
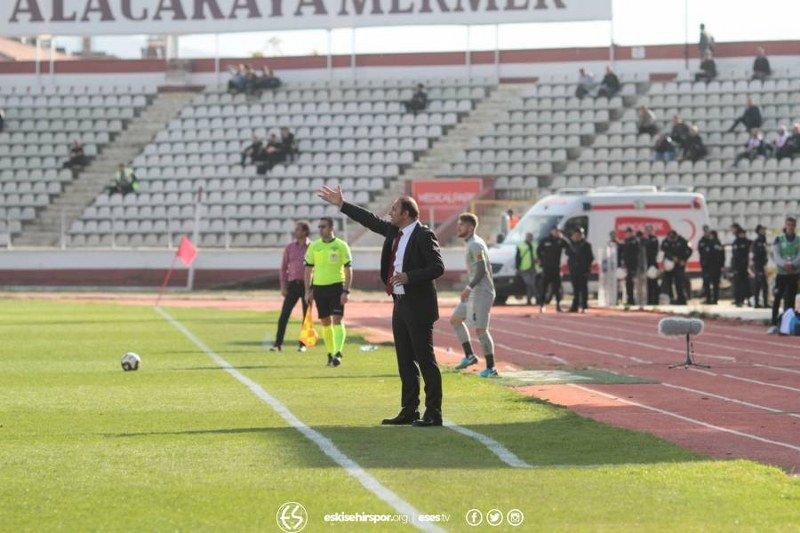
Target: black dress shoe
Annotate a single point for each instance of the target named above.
(427, 422)
(402, 419)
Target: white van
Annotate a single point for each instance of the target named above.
(600, 211)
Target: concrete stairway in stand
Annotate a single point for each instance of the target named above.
(444, 151)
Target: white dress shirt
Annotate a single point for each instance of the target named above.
(401, 252)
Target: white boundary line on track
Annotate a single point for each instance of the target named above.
(708, 333)
(324, 443)
(732, 400)
(503, 453)
(688, 419)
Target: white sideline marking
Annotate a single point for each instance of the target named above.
(503, 453)
(324, 443)
(687, 419)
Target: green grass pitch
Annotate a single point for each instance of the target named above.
(181, 445)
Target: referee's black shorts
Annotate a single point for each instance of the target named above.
(328, 299)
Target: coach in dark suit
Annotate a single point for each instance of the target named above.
(410, 262)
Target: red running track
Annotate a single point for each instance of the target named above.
(747, 405)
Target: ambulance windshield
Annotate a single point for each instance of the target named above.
(539, 225)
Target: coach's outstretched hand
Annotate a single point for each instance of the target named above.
(331, 196)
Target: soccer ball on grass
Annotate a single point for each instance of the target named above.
(130, 361)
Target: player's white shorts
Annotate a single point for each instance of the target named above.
(476, 309)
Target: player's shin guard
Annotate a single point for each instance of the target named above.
(339, 335)
(462, 333)
(327, 337)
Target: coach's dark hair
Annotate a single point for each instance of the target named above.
(469, 218)
(304, 226)
(791, 219)
(409, 205)
(329, 220)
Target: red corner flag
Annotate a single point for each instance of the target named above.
(187, 252)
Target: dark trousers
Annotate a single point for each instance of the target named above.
(741, 286)
(413, 343)
(551, 279)
(706, 294)
(713, 286)
(761, 287)
(580, 291)
(652, 291)
(678, 278)
(295, 291)
(630, 282)
(786, 290)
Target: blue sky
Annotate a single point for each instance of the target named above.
(635, 22)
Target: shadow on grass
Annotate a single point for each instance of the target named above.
(558, 443)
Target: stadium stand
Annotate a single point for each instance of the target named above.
(531, 137)
(354, 132)
(40, 122)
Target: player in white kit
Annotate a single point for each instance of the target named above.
(476, 299)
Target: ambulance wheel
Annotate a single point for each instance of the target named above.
(500, 300)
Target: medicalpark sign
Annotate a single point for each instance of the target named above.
(120, 17)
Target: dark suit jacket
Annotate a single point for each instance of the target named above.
(422, 261)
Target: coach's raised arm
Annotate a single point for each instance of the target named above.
(410, 262)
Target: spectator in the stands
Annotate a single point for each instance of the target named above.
(253, 150)
(238, 81)
(751, 118)
(586, 83)
(706, 42)
(418, 102)
(761, 68)
(708, 68)
(754, 147)
(779, 141)
(288, 144)
(680, 131)
(125, 181)
(271, 155)
(77, 159)
(267, 79)
(610, 85)
(694, 149)
(647, 121)
(2, 119)
(792, 146)
(664, 149)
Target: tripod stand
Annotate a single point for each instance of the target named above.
(689, 354)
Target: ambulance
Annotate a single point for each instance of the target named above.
(599, 212)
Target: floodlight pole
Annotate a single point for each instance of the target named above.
(611, 51)
(330, 54)
(497, 51)
(467, 55)
(216, 59)
(353, 52)
(52, 59)
(686, 33)
(38, 61)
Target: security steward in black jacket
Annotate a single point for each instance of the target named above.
(740, 261)
(629, 255)
(704, 247)
(650, 242)
(760, 250)
(715, 261)
(549, 255)
(677, 250)
(580, 257)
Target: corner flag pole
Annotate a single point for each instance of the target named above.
(166, 279)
